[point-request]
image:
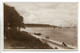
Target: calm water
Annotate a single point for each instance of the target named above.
(67, 35)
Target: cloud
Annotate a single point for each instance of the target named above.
(60, 14)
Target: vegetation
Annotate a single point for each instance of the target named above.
(39, 25)
(25, 40)
(14, 37)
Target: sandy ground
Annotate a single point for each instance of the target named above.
(53, 44)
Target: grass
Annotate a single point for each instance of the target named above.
(23, 40)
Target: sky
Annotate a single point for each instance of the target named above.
(55, 13)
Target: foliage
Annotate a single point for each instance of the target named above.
(12, 18)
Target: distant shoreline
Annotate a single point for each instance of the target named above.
(45, 25)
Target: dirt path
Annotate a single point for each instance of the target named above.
(53, 43)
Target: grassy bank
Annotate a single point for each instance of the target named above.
(23, 40)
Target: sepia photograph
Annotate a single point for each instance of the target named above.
(41, 25)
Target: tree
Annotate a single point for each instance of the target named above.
(12, 18)
(12, 21)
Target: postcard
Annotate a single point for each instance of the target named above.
(40, 25)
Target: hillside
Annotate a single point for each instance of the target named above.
(39, 25)
(46, 25)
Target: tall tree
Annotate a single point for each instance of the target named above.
(12, 18)
(12, 21)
